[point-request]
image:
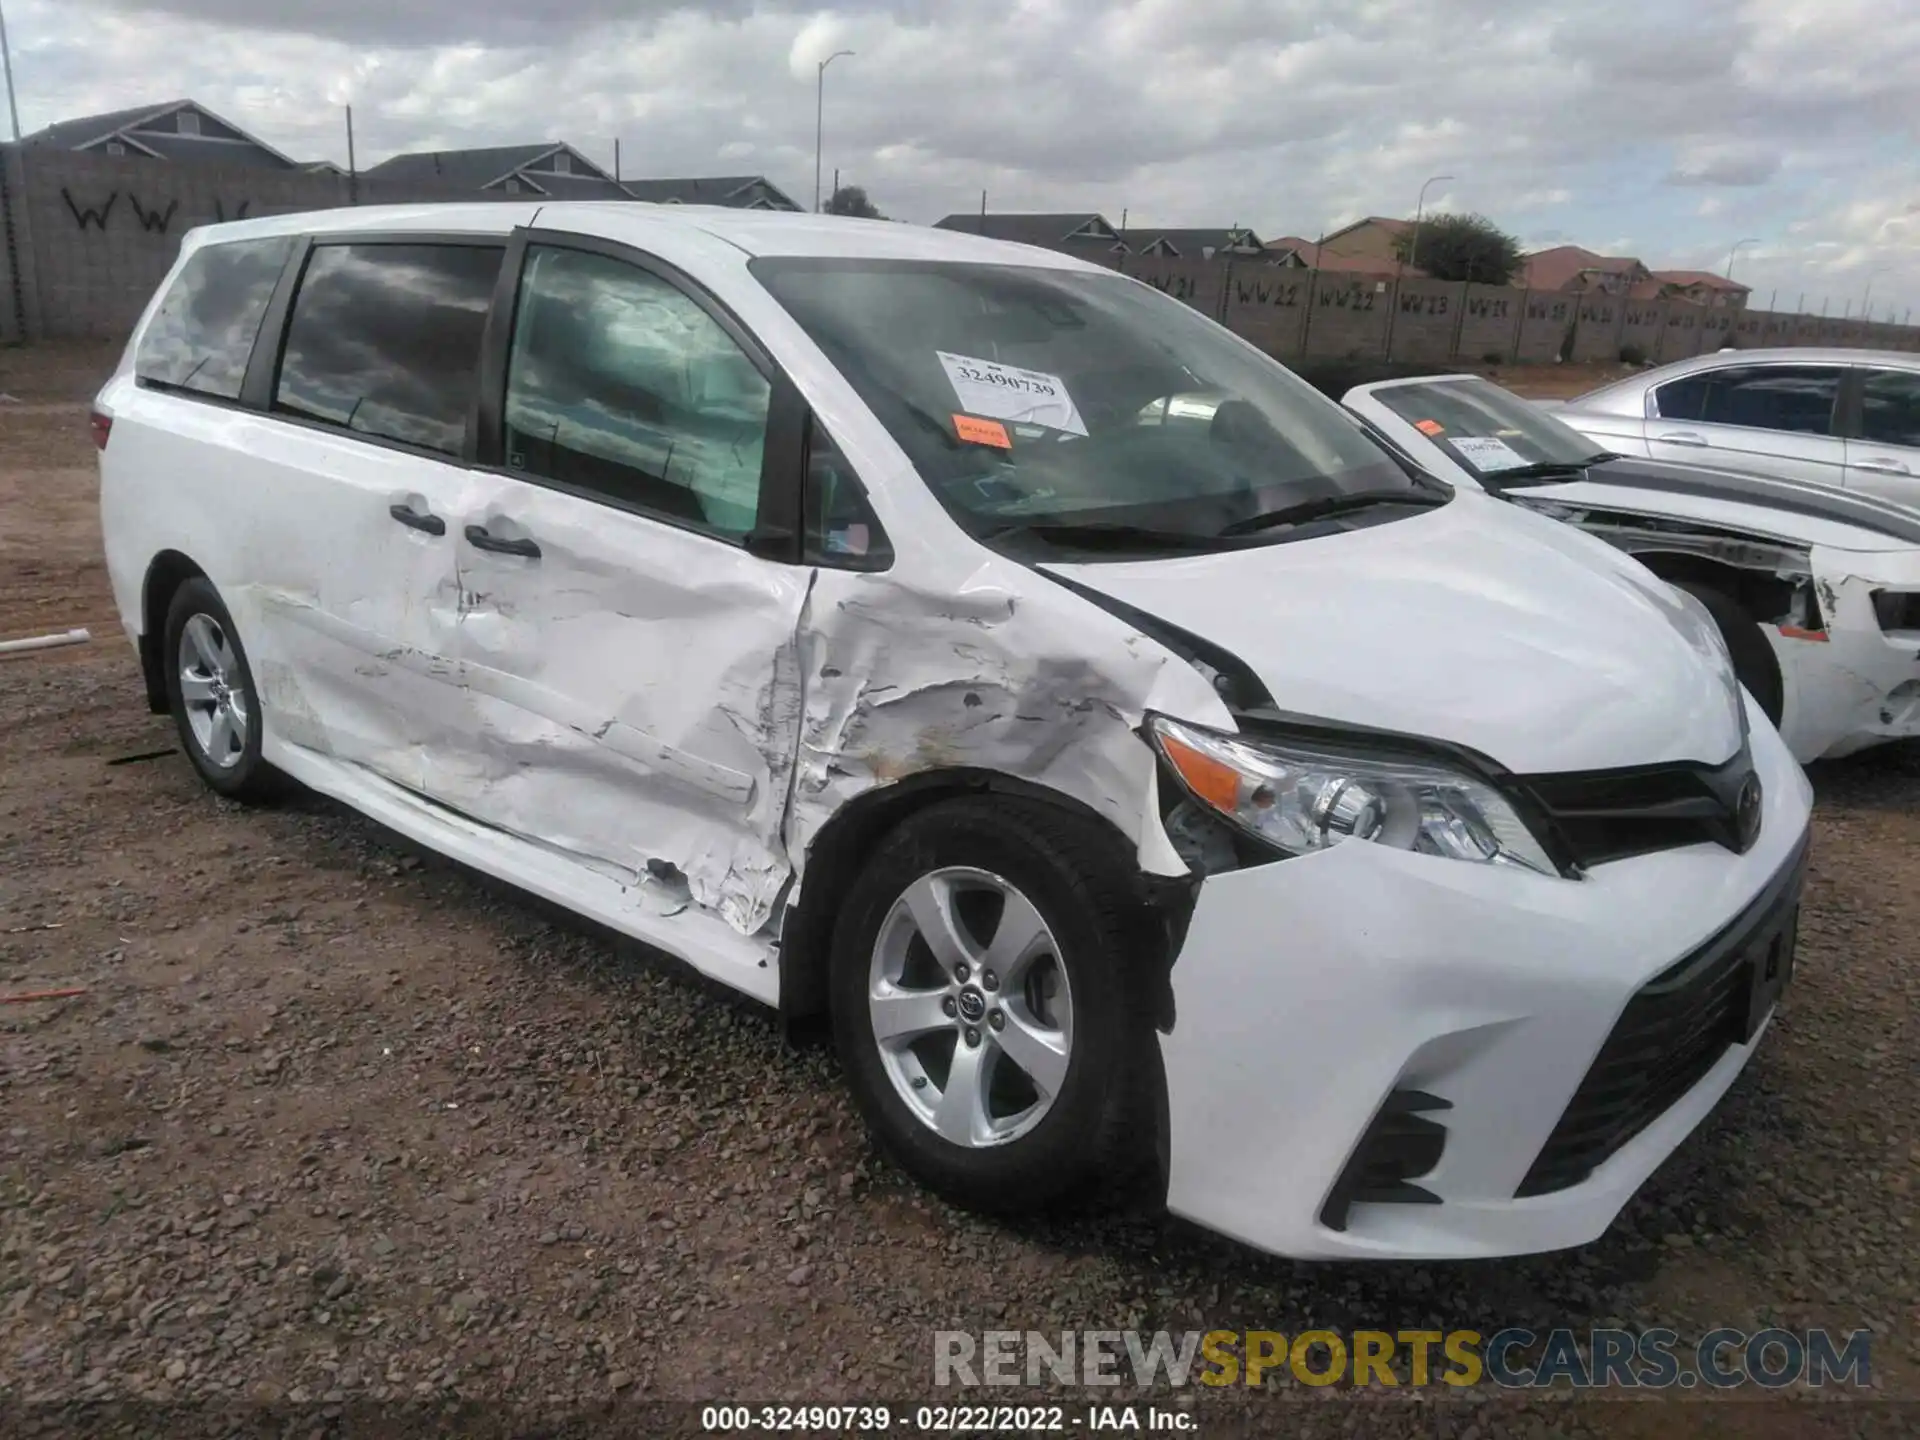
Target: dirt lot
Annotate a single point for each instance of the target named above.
(338, 1121)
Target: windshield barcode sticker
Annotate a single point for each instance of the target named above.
(1006, 392)
(1488, 454)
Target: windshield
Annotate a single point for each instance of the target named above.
(1489, 431)
(1038, 401)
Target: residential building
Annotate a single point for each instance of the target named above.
(736, 192)
(1234, 241)
(1703, 287)
(1295, 252)
(1375, 240)
(1090, 236)
(551, 170)
(1574, 270)
(174, 130)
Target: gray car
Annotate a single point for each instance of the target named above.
(1846, 418)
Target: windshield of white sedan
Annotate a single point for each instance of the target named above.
(1086, 409)
(1491, 432)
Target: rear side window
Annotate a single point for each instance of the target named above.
(202, 335)
(1890, 407)
(1797, 398)
(384, 340)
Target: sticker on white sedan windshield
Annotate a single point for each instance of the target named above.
(1488, 454)
(1006, 392)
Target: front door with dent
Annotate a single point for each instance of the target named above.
(630, 655)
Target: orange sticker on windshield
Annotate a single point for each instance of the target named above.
(981, 432)
(1429, 427)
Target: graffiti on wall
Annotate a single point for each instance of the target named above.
(153, 219)
(1284, 294)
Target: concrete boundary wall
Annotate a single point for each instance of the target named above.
(85, 238)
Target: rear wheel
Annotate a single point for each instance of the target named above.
(210, 689)
(1754, 663)
(987, 1006)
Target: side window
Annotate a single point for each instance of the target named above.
(384, 340)
(841, 527)
(620, 385)
(1890, 407)
(1798, 398)
(202, 335)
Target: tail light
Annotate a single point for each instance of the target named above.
(100, 426)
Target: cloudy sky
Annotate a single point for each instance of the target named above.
(1670, 130)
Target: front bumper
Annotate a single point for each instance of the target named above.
(1860, 686)
(1310, 990)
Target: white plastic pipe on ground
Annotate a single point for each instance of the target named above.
(44, 642)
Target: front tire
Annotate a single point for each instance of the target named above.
(211, 692)
(1754, 663)
(989, 1005)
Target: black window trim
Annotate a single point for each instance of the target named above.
(267, 322)
(1837, 418)
(779, 521)
(257, 391)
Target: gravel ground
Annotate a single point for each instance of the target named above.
(337, 1121)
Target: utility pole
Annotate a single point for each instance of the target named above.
(983, 212)
(1419, 209)
(353, 168)
(819, 118)
(616, 159)
(6, 63)
(1750, 240)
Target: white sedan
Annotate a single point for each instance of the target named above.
(1816, 590)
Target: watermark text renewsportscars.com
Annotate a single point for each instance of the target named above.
(1514, 1358)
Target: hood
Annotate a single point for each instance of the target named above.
(1478, 623)
(1786, 509)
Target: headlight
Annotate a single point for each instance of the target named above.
(1300, 797)
(1700, 630)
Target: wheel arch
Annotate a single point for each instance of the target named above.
(1764, 596)
(166, 573)
(840, 851)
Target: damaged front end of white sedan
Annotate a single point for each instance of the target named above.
(1815, 590)
(1140, 766)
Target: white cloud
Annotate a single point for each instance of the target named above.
(1797, 116)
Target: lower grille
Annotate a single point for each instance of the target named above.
(1673, 1031)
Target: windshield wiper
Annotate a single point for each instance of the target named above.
(1102, 534)
(1544, 470)
(1331, 505)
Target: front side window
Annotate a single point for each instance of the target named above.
(1797, 398)
(385, 340)
(1890, 407)
(202, 335)
(1037, 401)
(620, 385)
(1492, 433)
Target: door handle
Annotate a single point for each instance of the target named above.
(414, 520)
(1685, 437)
(1885, 467)
(479, 538)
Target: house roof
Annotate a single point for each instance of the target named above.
(84, 129)
(702, 189)
(1383, 222)
(1048, 230)
(1687, 279)
(465, 169)
(1558, 267)
(87, 130)
(1191, 244)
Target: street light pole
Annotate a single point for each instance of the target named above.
(6, 64)
(1419, 209)
(1865, 312)
(819, 119)
(1750, 240)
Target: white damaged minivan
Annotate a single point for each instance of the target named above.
(1145, 771)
